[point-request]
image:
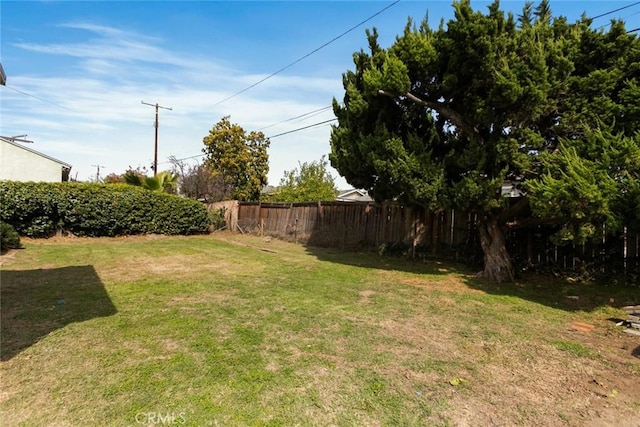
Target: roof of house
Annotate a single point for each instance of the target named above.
(511, 189)
(15, 144)
(362, 195)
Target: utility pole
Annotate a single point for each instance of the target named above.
(98, 171)
(155, 151)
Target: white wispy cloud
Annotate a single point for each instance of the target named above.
(112, 69)
(111, 43)
(111, 32)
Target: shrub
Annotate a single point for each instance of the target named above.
(9, 237)
(87, 209)
(217, 218)
(30, 207)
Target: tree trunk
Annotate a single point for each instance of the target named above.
(497, 262)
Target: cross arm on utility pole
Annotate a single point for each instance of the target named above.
(98, 171)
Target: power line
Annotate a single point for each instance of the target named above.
(312, 115)
(616, 10)
(297, 117)
(36, 97)
(307, 55)
(622, 19)
(323, 46)
(302, 128)
(269, 137)
(184, 158)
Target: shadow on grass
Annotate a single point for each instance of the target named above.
(561, 293)
(35, 303)
(371, 259)
(546, 290)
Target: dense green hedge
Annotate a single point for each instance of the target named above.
(85, 209)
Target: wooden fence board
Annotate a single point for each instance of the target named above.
(356, 224)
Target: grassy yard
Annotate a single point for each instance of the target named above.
(234, 330)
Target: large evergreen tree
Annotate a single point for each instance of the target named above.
(445, 116)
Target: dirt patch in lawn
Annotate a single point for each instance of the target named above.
(447, 283)
(174, 267)
(365, 296)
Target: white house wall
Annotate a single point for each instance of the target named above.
(17, 164)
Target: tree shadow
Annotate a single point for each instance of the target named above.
(367, 258)
(34, 303)
(561, 293)
(546, 290)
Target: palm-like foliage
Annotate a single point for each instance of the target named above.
(163, 181)
(133, 178)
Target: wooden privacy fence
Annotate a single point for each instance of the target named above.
(350, 225)
(347, 224)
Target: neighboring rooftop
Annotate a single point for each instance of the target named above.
(21, 163)
(354, 195)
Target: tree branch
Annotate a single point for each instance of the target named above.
(455, 117)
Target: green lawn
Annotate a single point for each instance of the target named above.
(234, 330)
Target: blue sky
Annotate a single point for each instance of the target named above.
(92, 63)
